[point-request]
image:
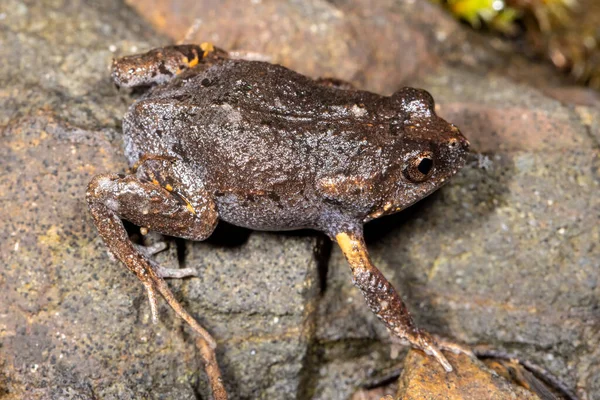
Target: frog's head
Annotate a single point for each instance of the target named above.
(428, 151)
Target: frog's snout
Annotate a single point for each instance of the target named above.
(459, 139)
(118, 72)
(459, 142)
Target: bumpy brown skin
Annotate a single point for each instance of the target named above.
(263, 147)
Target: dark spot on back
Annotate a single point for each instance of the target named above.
(274, 196)
(163, 70)
(177, 148)
(190, 51)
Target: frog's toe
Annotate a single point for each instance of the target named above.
(151, 291)
(163, 272)
(439, 356)
(425, 342)
(453, 347)
(175, 273)
(151, 249)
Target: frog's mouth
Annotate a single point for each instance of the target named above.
(402, 199)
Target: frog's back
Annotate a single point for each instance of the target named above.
(254, 132)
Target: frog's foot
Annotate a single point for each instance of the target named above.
(453, 347)
(163, 64)
(169, 273)
(425, 342)
(152, 249)
(151, 199)
(160, 271)
(143, 200)
(382, 298)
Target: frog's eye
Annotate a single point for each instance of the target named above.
(419, 168)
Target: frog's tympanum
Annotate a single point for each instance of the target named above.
(263, 147)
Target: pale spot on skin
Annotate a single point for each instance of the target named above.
(358, 111)
(233, 115)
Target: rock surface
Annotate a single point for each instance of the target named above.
(506, 255)
(471, 380)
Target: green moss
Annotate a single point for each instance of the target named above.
(478, 13)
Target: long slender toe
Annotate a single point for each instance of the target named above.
(435, 352)
(176, 273)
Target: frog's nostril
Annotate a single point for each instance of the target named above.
(456, 142)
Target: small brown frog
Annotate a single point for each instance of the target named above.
(263, 147)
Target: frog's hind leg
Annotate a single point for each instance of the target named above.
(142, 200)
(163, 64)
(381, 296)
(151, 199)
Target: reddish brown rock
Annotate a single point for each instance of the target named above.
(471, 380)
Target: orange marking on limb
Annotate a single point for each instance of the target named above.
(169, 187)
(207, 47)
(194, 62)
(190, 208)
(188, 205)
(354, 252)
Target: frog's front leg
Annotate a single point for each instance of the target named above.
(150, 199)
(161, 65)
(381, 296)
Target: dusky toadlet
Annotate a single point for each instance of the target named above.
(263, 147)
